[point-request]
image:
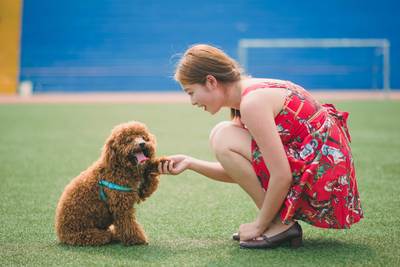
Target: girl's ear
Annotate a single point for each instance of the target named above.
(211, 82)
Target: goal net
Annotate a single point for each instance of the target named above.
(320, 63)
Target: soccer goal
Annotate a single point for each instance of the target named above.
(320, 63)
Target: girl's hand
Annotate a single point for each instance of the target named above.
(175, 164)
(249, 231)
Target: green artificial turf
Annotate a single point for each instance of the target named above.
(190, 219)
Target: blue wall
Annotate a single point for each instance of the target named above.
(128, 45)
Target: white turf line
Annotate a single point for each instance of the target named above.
(175, 97)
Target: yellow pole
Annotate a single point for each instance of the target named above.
(10, 34)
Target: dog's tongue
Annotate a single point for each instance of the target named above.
(141, 157)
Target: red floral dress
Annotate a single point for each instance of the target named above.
(317, 143)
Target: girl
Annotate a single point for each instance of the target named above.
(287, 151)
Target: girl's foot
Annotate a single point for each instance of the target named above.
(275, 228)
(293, 234)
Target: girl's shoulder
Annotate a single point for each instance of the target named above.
(265, 92)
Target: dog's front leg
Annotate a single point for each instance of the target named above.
(148, 185)
(150, 179)
(128, 230)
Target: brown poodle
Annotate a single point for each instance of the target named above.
(97, 207)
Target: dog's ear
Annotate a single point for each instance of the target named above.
(109, 154)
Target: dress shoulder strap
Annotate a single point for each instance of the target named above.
(265, 84)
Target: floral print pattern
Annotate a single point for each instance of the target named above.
(317, 143)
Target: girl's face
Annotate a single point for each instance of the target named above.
(208, 96)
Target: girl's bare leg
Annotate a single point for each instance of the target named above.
(232, 147)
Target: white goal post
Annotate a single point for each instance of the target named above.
(384, 44)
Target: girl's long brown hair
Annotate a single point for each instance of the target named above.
(201, 60)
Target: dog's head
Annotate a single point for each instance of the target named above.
(130, 146)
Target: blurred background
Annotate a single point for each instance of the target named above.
(65, 51)
(132, 45)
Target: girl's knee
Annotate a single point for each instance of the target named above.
(217, 128)
(220, 135)
(227, 137)
(216, 132)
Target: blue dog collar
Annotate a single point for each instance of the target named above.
(112, 186)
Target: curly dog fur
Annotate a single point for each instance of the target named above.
(83, 218)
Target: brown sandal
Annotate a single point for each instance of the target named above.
(293, 235)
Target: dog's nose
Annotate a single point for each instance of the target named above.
(140, 142)
(142, 145)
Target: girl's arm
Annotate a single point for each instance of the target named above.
(212, 170)
(258, 111)
(180, 163)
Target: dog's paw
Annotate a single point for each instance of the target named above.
(162, 164)
(135, 241)
(114, 236)
(153, 168)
